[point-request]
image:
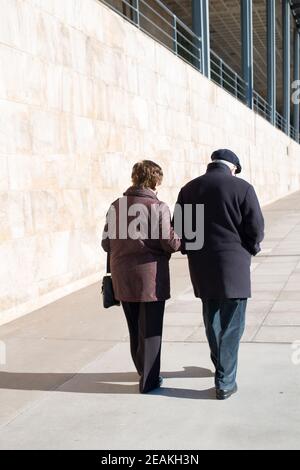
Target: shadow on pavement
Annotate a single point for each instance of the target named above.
(209, 394)
(102, 383)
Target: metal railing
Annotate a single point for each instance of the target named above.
(227, 78)
(294, 134)
(261, 106)
(280, 122)
(159, 22)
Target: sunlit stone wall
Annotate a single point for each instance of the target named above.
(83, 95)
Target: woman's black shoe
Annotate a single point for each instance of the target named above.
(158, 385)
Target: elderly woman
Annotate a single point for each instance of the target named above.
(140, 245)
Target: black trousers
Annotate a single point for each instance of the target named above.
(225, 324)
(145, 324)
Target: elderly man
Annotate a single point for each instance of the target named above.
(220, 270)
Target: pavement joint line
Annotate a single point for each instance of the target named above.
(194, 331)
(89, 340)
(46, 394)
(253, 334)
(283, 288)
(282, 326)
(32, 405)
(278, 256)
(272, 306)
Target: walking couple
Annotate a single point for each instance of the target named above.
(232, 230)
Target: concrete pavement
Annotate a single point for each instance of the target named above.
(68, 381)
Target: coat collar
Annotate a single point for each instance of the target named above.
(217, 166)
(141, 192)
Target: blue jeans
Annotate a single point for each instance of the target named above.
(225, 324)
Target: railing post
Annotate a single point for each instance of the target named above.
(286, 26)
(206, 37)
(247, 48)
(197, 29)
(271, 53)
(265, 110)
(296, 117)
(200, 61)
(175, 42)
(200, 14)
(221, 74)
(136, 12)
(236, 85)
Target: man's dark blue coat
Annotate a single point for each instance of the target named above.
(233, 231)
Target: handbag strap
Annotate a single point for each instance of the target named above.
(108, 264)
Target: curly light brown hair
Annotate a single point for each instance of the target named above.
(147, 174)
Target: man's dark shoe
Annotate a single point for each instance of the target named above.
(225, 394)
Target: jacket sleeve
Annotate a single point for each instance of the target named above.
(169, 240)
(178, 221)
(105, 239)
(253, 223)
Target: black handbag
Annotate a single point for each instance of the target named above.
(108, 295)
